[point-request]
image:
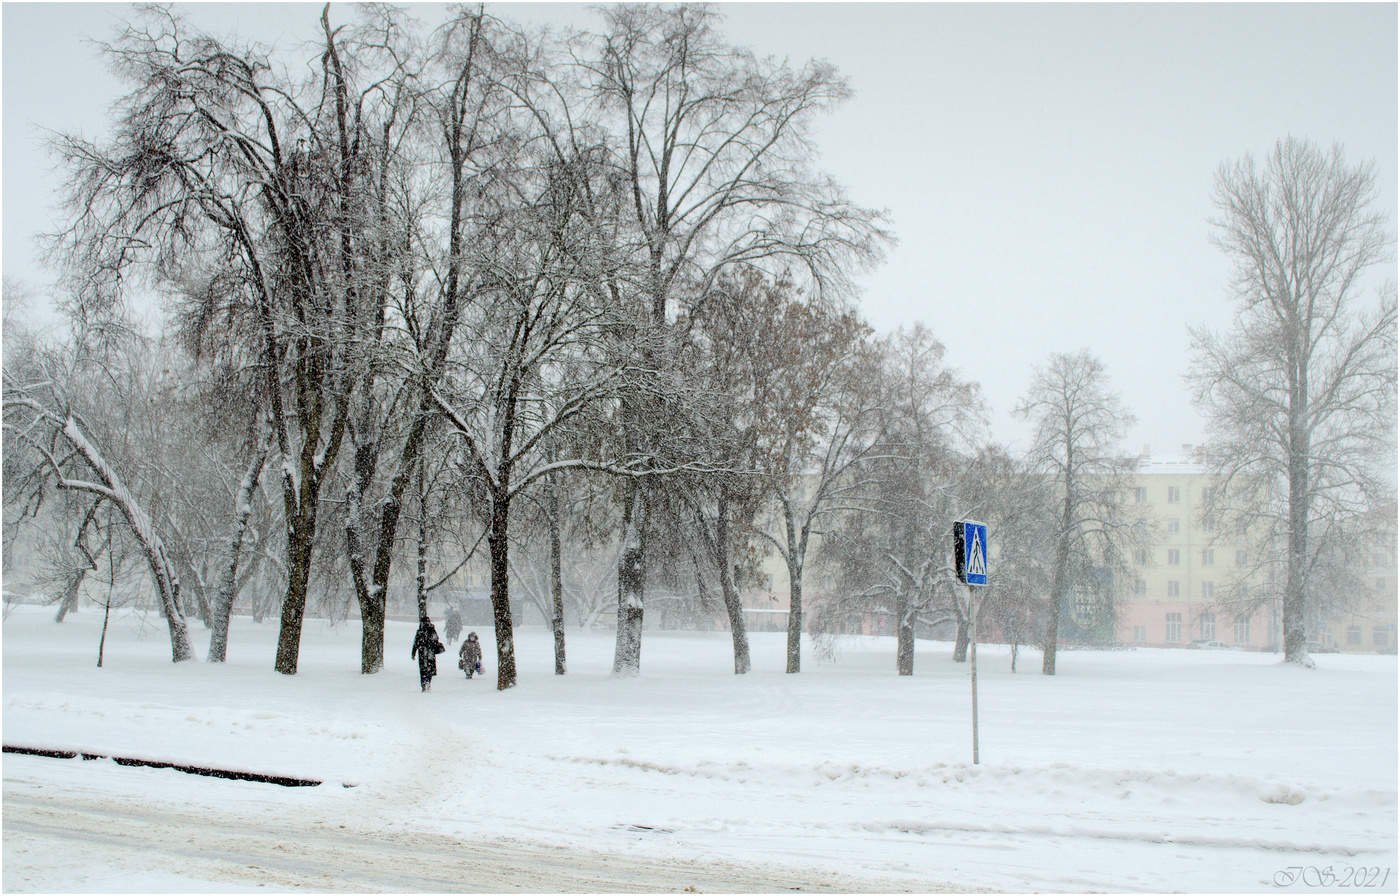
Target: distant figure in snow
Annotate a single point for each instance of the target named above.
(426, 647)
(453, 628)
(471, 655)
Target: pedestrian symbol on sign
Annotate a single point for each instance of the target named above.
(970, 552)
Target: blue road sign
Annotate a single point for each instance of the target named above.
(970, 552)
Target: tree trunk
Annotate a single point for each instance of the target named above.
(733, 606)
(421, 576)
(372, 606)
(106, 618)
(496, 540)
(904, 633)
(69, 602)
(631, 575)
(556, 575)
(371, 602)
(794, 626)
(294, 604)
(1295, 633)
(1052, 625)
(960, 643)
(1061, 574)
(228, 581)
(796, 559)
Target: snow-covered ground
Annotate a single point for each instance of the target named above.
(1147, 770)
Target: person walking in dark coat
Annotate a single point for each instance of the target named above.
(471, 655)
(426, 647)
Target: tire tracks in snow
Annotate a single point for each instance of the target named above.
(319, 855)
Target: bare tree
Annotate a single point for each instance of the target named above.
(892, 552)
(535, 353)
(40, 413)
(712, 148)
(1300, 395)
(224, 173)
(1078, 423)
(1017, 505)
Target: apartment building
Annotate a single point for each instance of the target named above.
(1197, 584)
(1368, 622)
(1180, 583)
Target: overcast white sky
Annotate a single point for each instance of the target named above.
(1048, 168)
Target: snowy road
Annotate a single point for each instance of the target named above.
(122, 840)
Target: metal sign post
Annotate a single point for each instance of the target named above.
(970, 564)
(972, 654)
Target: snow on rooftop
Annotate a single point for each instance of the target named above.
(1170, 466)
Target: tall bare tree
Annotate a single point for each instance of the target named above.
(1079, 421)
(713, 149)
(223, 172)
(1300, 394)
(536, 353)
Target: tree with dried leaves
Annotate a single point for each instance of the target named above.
(712, 149)
(891, 552)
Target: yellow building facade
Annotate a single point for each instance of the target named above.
(1197, 585)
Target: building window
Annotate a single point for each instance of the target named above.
(1173, 628)
(1140, 587)
(1207, 556)
(1206, 494)
(1354, 636)
(1380, 636)
(1140, 495)
(1141, 556)
(1242, 629)
(1173, 588)
(1241, 558)
(1173, 557)
(1208, 526)
(1173, 526)
(1173, 494)
(1207, 591)
(1140, 633)
(1207, 626)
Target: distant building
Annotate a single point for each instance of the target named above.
(1367, 624)
(1192, 583)
(1195, 583)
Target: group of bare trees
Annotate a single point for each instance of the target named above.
(429, 292)
(474, 251)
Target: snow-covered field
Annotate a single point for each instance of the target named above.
(1148, 770)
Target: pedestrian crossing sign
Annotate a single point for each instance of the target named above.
(970, 552)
